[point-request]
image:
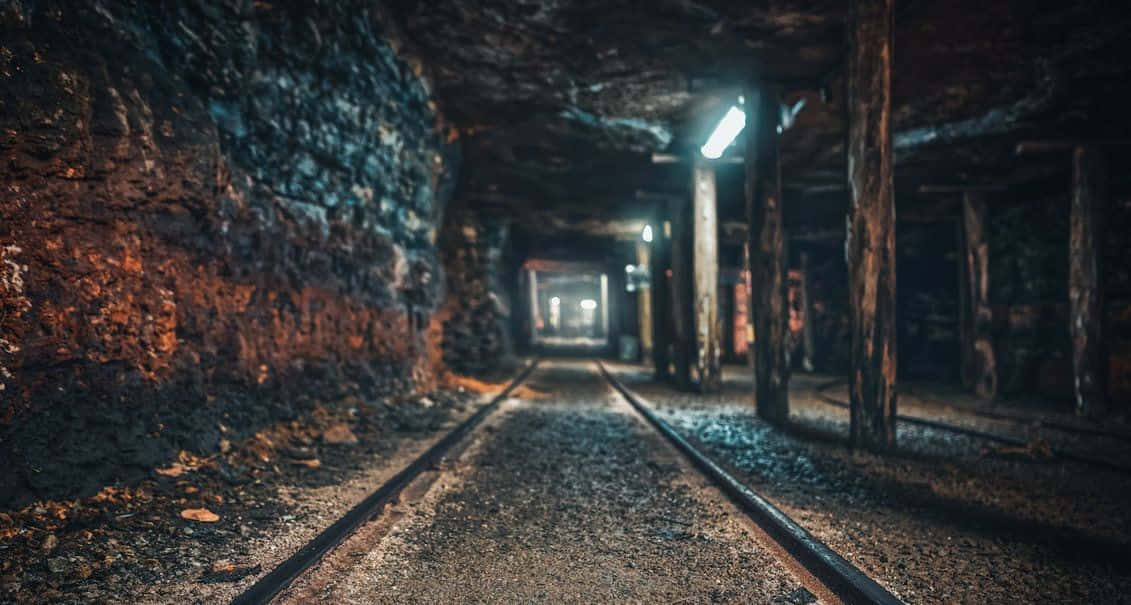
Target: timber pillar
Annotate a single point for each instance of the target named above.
(870, 246)
(979, 364)
(769, 305)
(661, 294)
(706, 370)
(1085, 290)
(644, 300)
(695, 284)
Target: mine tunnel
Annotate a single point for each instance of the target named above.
(562, 301)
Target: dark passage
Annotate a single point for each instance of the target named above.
(257, 257)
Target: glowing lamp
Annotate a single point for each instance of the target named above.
(729, 127)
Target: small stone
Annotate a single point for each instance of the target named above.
(49, 543)
(57, 565)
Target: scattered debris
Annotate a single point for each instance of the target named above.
(801, 596)
(308, 462)
(224, 571)
(339, 434)
(200, 515)
(176, 470)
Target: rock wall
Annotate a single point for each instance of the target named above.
(206, 203)
(477, 316)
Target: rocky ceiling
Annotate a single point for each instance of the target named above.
(560, 103)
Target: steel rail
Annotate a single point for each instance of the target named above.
(969, 432)
(278, 579)
(844, 579)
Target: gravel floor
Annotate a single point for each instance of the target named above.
(568, 498)
(270, 495)
(947, 518)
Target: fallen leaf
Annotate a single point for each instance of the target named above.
(224, 571)
(308, 463)
(202, 515)
(339, 434)
(176, 470)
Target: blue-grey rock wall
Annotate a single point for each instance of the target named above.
(206, 203)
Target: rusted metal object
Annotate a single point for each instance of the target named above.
(870, 248)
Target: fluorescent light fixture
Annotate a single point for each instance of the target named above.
(729, 127)
(647, 234)
(588, 304)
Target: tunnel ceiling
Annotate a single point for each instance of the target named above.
(560, 103)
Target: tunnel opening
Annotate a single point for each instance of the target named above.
(569, 307)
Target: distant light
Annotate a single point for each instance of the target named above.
(588, 304)
(647, 235)
(629, 268)
(729, 127)
(555, 301)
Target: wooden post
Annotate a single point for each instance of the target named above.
(707, 352)
(535, 312)
(681, 297)
(980, 371)
(767, 256)
(1085, 291)
(644, 299)
(807, 352)
(870, 247)
(661, 299)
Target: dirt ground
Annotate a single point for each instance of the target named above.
(945, 519)
(568, 498)
(201, 529)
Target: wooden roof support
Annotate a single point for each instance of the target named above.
(769, 309)
(870, 249)
(1054, 145)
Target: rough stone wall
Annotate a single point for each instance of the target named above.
(201, 196)
(476, 317)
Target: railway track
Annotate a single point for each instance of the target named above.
(996, 437)
(836, 574)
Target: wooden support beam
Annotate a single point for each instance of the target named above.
(644, 299)
(671, 158)
(707, 352)
(679, 211)
(662, 328)
(767, 256)
(1054, 145)
(962, 188)
(870, 249)
(1085, 290)
(807, 351)
(979, 364)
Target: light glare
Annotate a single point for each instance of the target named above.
(588, 304)
(729, 127)
(647, 235)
